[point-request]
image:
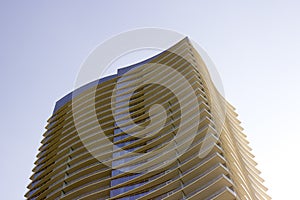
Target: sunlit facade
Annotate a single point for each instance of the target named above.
(127, 166)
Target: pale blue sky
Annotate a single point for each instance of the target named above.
(254, 44)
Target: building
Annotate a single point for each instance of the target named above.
(191, 150)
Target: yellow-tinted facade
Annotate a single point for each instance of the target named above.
(75, 163)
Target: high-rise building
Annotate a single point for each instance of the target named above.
(158, 129)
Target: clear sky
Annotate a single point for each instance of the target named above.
(254, 44)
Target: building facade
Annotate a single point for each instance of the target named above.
(94, 146)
